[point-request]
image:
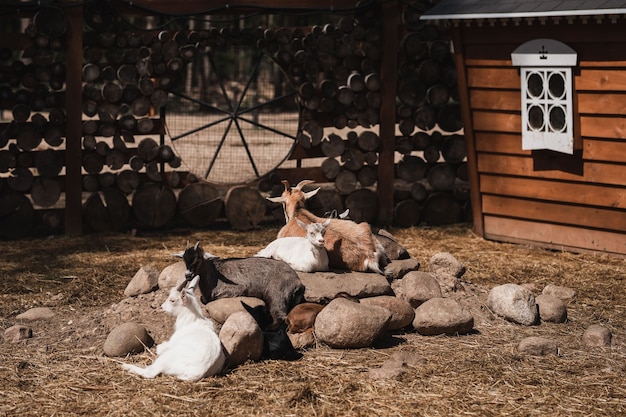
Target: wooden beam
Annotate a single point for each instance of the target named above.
(74, 113)
(387, 127)
(235, 6)
(468, 129)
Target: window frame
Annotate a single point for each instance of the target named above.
(547, 58)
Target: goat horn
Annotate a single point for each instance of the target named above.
(181, 286)
(196, 245)
(303, 183)
(286, 184)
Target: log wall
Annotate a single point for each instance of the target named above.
(82, 143)
(575, 202)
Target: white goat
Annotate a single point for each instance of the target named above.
(305, 254)
(194, 350)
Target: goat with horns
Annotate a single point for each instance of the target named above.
(349, 245)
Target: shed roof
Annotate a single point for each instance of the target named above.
(494, 9)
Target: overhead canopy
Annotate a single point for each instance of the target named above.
(494, 9)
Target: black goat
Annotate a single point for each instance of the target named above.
(271, 280)
(276, 343)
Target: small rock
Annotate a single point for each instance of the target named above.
(538, 346)
(146, 280)
(551, 309)
(302, 340)
(396, 366)
(530, 286)
(417, 287)
(17, 332)
(36, 313)
(398, 268)
(597, 336)
(220, 309)
(320, 287)
(515, 303)
(449, 283)
(242, 339)
(443, 263)
(402, 313)
(172, 275)
(127, 338)
(393, 370)
(393, 248)
(345, 324)
(563, 293)
(442, 316)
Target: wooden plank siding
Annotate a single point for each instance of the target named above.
(523, 197)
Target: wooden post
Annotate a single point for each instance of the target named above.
(73, 109)
(387, 127)
(468, 130)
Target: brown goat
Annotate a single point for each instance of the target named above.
(349, 245)
(301, 318)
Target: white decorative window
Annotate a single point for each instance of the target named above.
(546, 76)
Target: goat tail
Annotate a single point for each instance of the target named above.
(371, 264)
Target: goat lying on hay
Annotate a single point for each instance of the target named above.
(350, 246)
(271, 280)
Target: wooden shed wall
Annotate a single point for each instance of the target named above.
(555, 200)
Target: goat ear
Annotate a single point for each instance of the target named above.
(276, 199)
(193, 283)
(178, 254)
(208, 255)
(311, 193)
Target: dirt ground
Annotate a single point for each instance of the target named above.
(62, 370)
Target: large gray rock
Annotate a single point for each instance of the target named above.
(597, 336)
(220, 309)
(17, 332)
(402, 313)
(36, 313)
(563, 293)
(324, 286)
(416, 287)
(538, 346)
(551, 309)
(346, 324)
(172, 275)
(242, 339)
(145, 280)
(398, 268)
(127, 338)
(515, 303)
(442, 316)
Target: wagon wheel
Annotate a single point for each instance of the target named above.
(236, 124)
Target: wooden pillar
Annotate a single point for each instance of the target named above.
(470, 140)
(74, 112)
(387, 127)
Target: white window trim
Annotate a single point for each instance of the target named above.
(546, 57)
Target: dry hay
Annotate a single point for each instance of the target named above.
(62, 371)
